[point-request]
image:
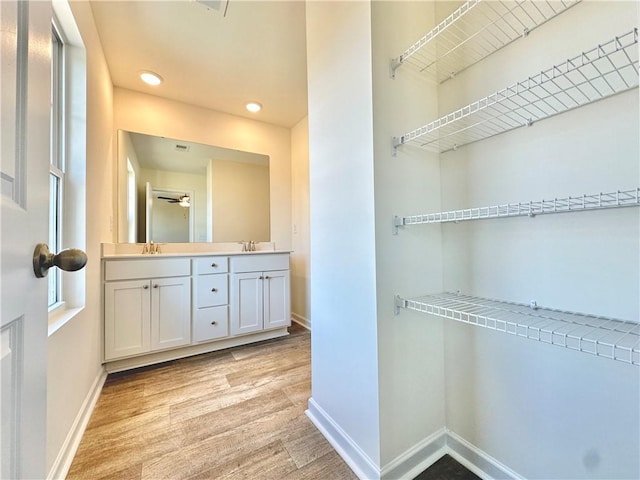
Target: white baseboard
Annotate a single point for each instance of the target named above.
(350, 452)
(302, 321)
(414, 460)
(476, 460)
(62, 464)
(418, 458)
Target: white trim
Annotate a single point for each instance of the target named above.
(476, 460)
(60, 316)
(414, 460)
(60, 467)
(152, 358)
(350, 452)
(300, 320)
(417, 458)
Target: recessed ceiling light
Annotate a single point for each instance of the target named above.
(254, 107)
(151, 78)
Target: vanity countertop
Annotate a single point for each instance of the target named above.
(114, 251)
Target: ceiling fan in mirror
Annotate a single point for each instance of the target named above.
(182, 200)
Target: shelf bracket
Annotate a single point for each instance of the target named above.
(397, 222)
(395, 143)
(399, 303)
(393, 66)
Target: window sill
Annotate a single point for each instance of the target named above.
(60, 315)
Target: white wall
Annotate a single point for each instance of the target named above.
(345, 389)
(539, 410)
(74, 351)
(411, 364)
(543, 411)
(137, 112)
(300, 291)
(240, 198)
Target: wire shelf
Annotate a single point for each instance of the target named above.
(473, 32)
(603, 71)
(617, 199)
(600, 336)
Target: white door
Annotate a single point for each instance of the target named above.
(276, 299)
(25, 73)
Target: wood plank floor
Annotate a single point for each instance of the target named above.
(234, 414)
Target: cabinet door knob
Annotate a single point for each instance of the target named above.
(155, 286)
(146, 287)
(267, 277)
(214, 265)
(214, 290)
(214, 323)
(260, 277)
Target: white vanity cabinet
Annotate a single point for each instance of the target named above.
(259, 294)
(147, 306)
(210, 298)
(162, 307)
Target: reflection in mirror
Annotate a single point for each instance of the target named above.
(228, 192)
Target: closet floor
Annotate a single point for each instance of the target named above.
(237, 413)
(447, 468)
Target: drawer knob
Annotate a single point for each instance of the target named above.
(214, 323)
(214, 264)
(214, 290)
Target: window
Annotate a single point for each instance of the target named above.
(132, 226)
(57, 164)
(67, 170)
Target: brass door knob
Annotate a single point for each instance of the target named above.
(69, 260)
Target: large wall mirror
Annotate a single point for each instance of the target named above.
(175, 191)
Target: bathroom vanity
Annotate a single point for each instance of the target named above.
(175, 304)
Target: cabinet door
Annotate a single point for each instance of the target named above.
(277, 308)
(126, 318)
(170, 312)
(246, 303)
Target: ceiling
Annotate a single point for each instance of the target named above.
(160, 153)
(209, 58)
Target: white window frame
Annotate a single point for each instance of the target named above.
(57, 161)
(71, 167)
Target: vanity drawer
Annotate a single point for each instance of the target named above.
(146, 268)
(259, 262)
(211, 290)
(206, 265)
(210, 323)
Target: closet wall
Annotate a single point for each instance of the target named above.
(518, 400)
(394, 392)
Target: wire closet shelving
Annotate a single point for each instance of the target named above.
(600, 336)
(601, 72)
(598, 201)
(473, 32)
